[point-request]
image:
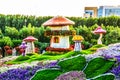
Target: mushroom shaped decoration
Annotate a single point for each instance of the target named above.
(77, 39)
(30, 45)
(100, 31)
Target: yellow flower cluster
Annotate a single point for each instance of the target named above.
(77, 38)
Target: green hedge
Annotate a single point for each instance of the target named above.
(18, 21)
(22, 58)
(23, 26)
(94, 70)
(105, 77)
(97, 66)
(47, 74)
(75, 63)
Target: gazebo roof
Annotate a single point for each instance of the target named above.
(58, 21)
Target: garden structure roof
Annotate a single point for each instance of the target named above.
(77, 38)
(99, 30)
(30, 39)
(58, 21)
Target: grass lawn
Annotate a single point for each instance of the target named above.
(39, 57)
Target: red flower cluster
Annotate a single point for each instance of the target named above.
(17, 48)
(6, 47)
(8, 50)
(21, 50)
(36, 50)
(59, 49)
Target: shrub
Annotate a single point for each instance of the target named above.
(97, 66)
(74, 63)
(47, 74)
(12, 32)
(22, 58)
(7, 41)
(53, 53)
(72, 75)
(98, 46)
(1, 42)
(105, 77)
(16, 42)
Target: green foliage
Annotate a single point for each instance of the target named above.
(12, 32)
(53, 53)
(1, 34)
(16, 42)
(105, 77)
(26, 31)
(7, 41)
(21, 26)
(22, 58)
(93, 71)
(98, 46)
(75, 63)
(47, 74)
(2, 43)
(113, 36)
(97, 66)
(95, 47)
(41, 45)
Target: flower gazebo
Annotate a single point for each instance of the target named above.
(59, 32)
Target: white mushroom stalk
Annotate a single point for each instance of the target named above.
(100, 31)
(100, 39)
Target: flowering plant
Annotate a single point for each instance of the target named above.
(59, 49)
(72, 75)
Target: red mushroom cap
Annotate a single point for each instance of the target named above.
(30, 39)
(99, 30)
(58, 21)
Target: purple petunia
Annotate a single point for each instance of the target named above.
(20, 73)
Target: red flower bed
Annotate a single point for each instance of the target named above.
(59, 49)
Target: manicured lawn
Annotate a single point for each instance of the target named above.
(39, 57)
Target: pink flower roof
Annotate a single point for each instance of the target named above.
(30, 39)
(99, 30)
(58, 21)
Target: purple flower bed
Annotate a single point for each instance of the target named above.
(20, 73)
(24, 73)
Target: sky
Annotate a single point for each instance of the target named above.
(51, 7)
